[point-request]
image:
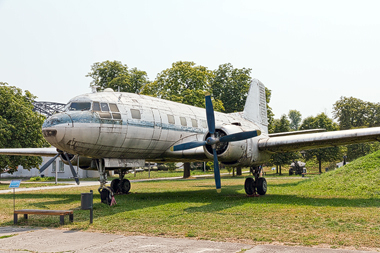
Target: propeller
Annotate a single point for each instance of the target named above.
(47, 164)
(72, 169)
(212, 140)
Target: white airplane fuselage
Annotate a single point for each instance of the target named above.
(120, 125)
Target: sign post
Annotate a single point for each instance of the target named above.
(14, 184)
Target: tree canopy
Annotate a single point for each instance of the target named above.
(355, 113)
(184, 82)
(231, 85)
(115, 75)
(295, 119)
(20, 127)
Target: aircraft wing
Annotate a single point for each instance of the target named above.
(318, 140)
(29, 151)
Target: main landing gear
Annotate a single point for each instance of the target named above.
(121, 185)
(118, 186)
(257, 186)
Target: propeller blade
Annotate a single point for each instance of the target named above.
(44, 167)
(216, 172)
(188, 145)
(210, 114)
(72, 169)
(239, 136)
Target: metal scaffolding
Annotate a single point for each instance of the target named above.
(47, 108)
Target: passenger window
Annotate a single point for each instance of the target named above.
(183, 121)
(116, 115)
(114, 108)
(96, 107)
(135, 114)
(104, 107)
(194, 122)
(204, 124)
(171, 119)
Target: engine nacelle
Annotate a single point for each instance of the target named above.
(84, 162)
(231, 153)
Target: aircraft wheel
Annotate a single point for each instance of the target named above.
(261, 186)
(106, 195)
(249, 186)
(125, 186)
(115, 185)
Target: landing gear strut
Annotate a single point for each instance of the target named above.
(121, 185)
(255, 186)
(106, 193)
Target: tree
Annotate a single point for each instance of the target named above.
(350, 112)
(20, 127)
(279, 159)
(231, 86)
(355, 113)
(115, 75)
(321, 154)
(295, 119)
(185, 83)
(270, 114)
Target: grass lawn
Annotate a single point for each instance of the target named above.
(289, 213)
(5, 186)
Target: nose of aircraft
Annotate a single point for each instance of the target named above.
(54, 128)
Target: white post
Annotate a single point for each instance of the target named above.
(56, 172)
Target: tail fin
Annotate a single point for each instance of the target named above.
(255, 108)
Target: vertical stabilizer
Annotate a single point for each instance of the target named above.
(255, 108)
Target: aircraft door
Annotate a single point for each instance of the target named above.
(157, 124)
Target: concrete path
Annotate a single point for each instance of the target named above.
(56, 240)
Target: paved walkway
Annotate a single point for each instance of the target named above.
(57, 240)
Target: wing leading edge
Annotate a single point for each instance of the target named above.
(319, 140)
(29, 151)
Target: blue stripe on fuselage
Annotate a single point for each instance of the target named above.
(92, 117)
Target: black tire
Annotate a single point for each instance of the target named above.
(115, 185)
(125, 186)
(249, 186)
(106, 195)
(261, 186)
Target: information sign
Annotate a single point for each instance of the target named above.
(15, 184)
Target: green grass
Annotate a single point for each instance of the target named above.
(7, 236)
(5, 186)
(339, 208)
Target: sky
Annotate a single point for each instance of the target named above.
(308, 53)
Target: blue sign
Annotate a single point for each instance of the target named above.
(15, 184)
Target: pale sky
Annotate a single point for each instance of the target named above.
(309, 53)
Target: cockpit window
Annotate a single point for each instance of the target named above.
(79, 106)
(96, 107)
(104, 107)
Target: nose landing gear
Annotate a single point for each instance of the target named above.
(106, 193)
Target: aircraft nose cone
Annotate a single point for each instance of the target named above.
(54, 128)
(61, 119)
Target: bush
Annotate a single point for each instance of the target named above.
(42, 179)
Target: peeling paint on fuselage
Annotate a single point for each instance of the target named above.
(86, 133)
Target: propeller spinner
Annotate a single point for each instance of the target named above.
(212, 140)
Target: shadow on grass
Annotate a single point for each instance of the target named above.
(199, 200)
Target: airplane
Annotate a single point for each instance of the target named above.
(117, 131)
